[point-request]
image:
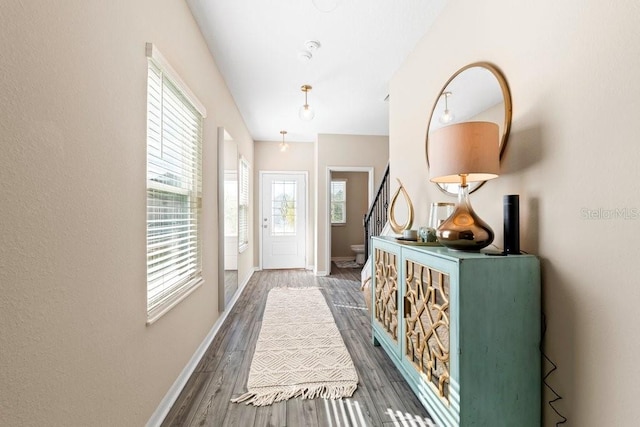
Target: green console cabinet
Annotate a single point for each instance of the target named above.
(463, 329)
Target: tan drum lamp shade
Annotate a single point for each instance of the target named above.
(459, 154)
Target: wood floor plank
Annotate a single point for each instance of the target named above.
(413, 409)
(214, 404)
(375, 377)
(302, 412)
(182, 410)
(240, 414)
(334, 412)
(382, 397)
(358, 410)
(243, 377)
(273, 415)
(240, 417)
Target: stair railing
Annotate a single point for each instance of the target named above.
(376, 218)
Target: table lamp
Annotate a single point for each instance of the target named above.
(459, 154)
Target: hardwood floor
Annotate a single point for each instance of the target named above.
(382, 399)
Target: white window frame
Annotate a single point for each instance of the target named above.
(175, 122)
(243, 204)
(343, 181)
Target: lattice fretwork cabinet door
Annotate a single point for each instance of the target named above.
(426, 332)
(429, 328)
(385, 296)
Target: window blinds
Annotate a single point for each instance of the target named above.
(243, 206)
(174, 182)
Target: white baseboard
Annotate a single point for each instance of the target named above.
(170, 398)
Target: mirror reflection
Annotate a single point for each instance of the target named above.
(476, 92)
(229, 213)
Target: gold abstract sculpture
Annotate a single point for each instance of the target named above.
(397, 228)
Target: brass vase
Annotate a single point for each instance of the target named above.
(464, 230)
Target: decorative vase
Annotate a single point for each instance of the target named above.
(464, 230)
(439, 212)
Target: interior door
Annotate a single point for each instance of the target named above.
(283, 222)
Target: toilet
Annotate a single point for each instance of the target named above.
(359, 251)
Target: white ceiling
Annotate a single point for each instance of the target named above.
(256, 44)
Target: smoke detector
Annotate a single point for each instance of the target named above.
(312, 45)
(309, 47)
(304, 56)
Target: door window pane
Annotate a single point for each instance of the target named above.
(283, 208)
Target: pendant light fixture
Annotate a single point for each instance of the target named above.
(306, 113)
(283, 145)
(447, 116)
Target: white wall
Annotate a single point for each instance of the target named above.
(74, 348)
(572, 67)
(342, 150)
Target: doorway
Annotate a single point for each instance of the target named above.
(283, 219)
(348, 205)
(328, 226)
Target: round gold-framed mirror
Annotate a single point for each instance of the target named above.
(476, 92)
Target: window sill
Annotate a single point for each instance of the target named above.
(161, 311)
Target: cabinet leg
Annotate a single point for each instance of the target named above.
(375, 341)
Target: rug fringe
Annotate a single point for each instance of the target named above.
(266, 398)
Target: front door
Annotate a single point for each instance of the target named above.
(283, 221)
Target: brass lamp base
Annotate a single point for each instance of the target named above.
(464, 230)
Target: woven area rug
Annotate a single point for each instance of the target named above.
(348, 264)
(299, 352)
